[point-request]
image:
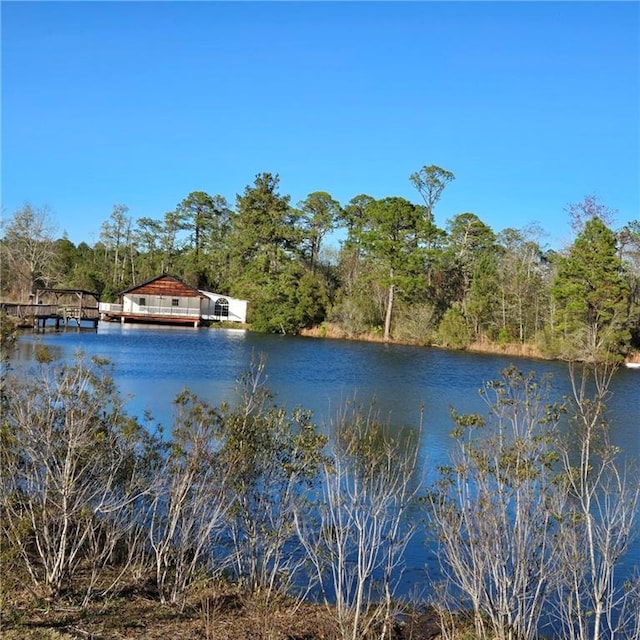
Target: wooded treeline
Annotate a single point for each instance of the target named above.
(396, 274)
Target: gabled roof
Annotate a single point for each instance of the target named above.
(164, 285)
(93, 294)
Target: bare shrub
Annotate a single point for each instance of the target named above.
(189, 503)
(357, 540)
(600, 519)
(493, 511)
(273, 457)
(72, 462)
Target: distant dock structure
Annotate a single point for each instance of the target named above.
(57, 309)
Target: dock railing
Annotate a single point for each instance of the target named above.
(38, 315)
(23, 311)
(150, 310)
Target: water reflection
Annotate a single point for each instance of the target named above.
(153, 365)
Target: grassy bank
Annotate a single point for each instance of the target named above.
(519, 350)
(514, 349)
(211, 612)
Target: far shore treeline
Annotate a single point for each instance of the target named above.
(395, 275)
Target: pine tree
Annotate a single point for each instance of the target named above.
(592, 295)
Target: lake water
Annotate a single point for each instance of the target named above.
(152, 365)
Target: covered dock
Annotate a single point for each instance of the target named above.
(58, 308)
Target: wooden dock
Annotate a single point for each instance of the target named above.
(62, 314)
(38, 316)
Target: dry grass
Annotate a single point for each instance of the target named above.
(516, 349)
(223, 617)
(510, 349)
(217, 612)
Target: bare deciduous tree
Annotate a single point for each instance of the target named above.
(494, 510)
(588, 208)
(357, 542)
(117, 236)
(599, 521)
(28, 249)
(71, 464)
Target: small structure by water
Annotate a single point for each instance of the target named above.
(166, 299)
(57, 308)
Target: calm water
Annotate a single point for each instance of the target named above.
(152, 365)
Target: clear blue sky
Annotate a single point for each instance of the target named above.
(531, 105)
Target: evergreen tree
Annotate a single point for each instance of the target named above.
(430, 182)
(395, 235)
(264, 235)
(591, 296)
(319, 213)
(468, 239)
(265, 264)
(483, 301)
(206, 219)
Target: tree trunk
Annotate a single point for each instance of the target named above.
(387, 319)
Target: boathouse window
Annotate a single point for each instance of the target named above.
(142, 302)
(175, 302)
(221, 308)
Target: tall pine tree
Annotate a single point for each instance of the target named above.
(591, 296)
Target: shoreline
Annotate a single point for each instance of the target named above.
(480, 346)
(515, 349)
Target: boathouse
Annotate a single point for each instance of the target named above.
(167, 299)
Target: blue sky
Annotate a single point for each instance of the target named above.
(531, 105)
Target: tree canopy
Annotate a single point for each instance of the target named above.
(370, 266)
(592, 294)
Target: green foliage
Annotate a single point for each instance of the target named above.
(206, 219)
(264, 235)
(288, 302)
(591, 294)
(483, 298)
(430, 181)
(453, 330)
(395, 233)
(354, 216)
(504, 337)
(395, 273)
(319, 214)
(468, 241)
(395, 236)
